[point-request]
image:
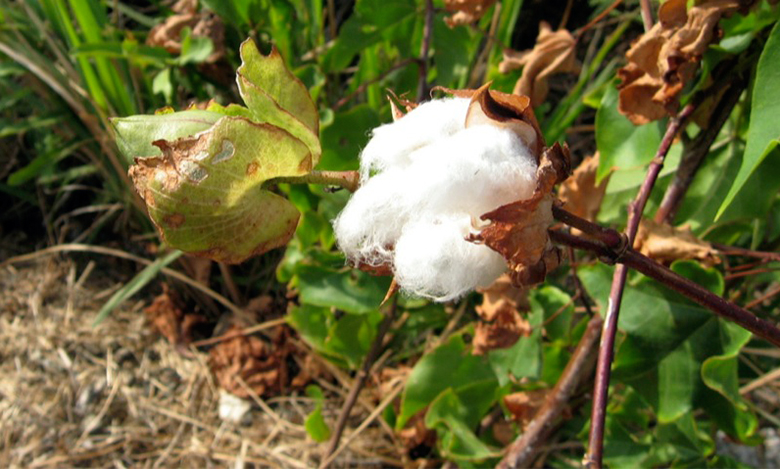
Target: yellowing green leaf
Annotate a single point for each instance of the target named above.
(205, 192)
(276, 96)
(135, 134)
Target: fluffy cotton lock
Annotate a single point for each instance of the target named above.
(425, 181)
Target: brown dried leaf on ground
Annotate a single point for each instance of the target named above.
(466, 11)
(518, 231)
(417, 435)
(523, 405)
(502, 323)
(261, 365)
(666, 243)
(203, 24)
(580, 194)
(553, 53)
(665, 58)
(166, 317)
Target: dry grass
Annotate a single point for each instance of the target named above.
(117, 395)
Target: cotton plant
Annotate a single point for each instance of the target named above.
(451, 193)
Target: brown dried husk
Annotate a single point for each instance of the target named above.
(664, 59)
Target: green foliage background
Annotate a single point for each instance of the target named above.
(67, 66)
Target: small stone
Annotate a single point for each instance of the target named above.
(231, 408)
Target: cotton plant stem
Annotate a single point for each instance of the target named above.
(647, 14)
(425, 47)
(695, 152)
(633, 259)
(359, 382)
(349, 180)
(523, 450)
(593, 458)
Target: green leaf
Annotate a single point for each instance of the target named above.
(135, 134)
(133, 286)
(351, 337)
(524, 358)
(667, 341)
(763, 135)
(345, 136)
(448, 366)
(621, 144)
(276, 96)
(449, 416)
(206, 196)
(351, 290)
(315, 424)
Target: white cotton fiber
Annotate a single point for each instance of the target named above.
(433, 259)
(432, 179)
(391, 144)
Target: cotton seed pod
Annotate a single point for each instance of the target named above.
(439, 192)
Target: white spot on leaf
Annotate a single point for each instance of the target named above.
(227, 152)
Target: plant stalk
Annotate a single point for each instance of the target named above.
(360, 381)
(349, 180)
(523, 450)
(633, 259)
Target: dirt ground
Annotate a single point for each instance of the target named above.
(119, 395)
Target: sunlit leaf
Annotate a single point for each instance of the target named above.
(206, 195)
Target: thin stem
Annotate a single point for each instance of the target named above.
(360, 381)
(593, 459)
(662, 274)
(695, 152)
(349, 180)
(647, 14)
(422, 86)
(525, 447)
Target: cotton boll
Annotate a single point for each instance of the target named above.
(391, 144)
(474, 171)
(433, 259)
(370, 224)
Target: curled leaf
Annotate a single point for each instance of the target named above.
(466, 11)
(168, 34)
(275, 96)
(580, 193)
(666, 243)
(552, 54)
(501, 322)
(665, 58)
(205, 193)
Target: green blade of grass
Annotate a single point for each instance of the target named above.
(133, 286)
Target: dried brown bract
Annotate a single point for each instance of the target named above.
(552, 54)
(518, 231)
(665, 59)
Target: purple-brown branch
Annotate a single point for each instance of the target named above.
(650, 268)
(523, 450)
(606, 349)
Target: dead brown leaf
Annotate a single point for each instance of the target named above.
(523, 405)
(666, 243)
(580, 193)
(201, 24)
(552, 54)
(261, 365)
(166, 317)
(417, 436)
(466, 11)
(502, 323)
(664, 59)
